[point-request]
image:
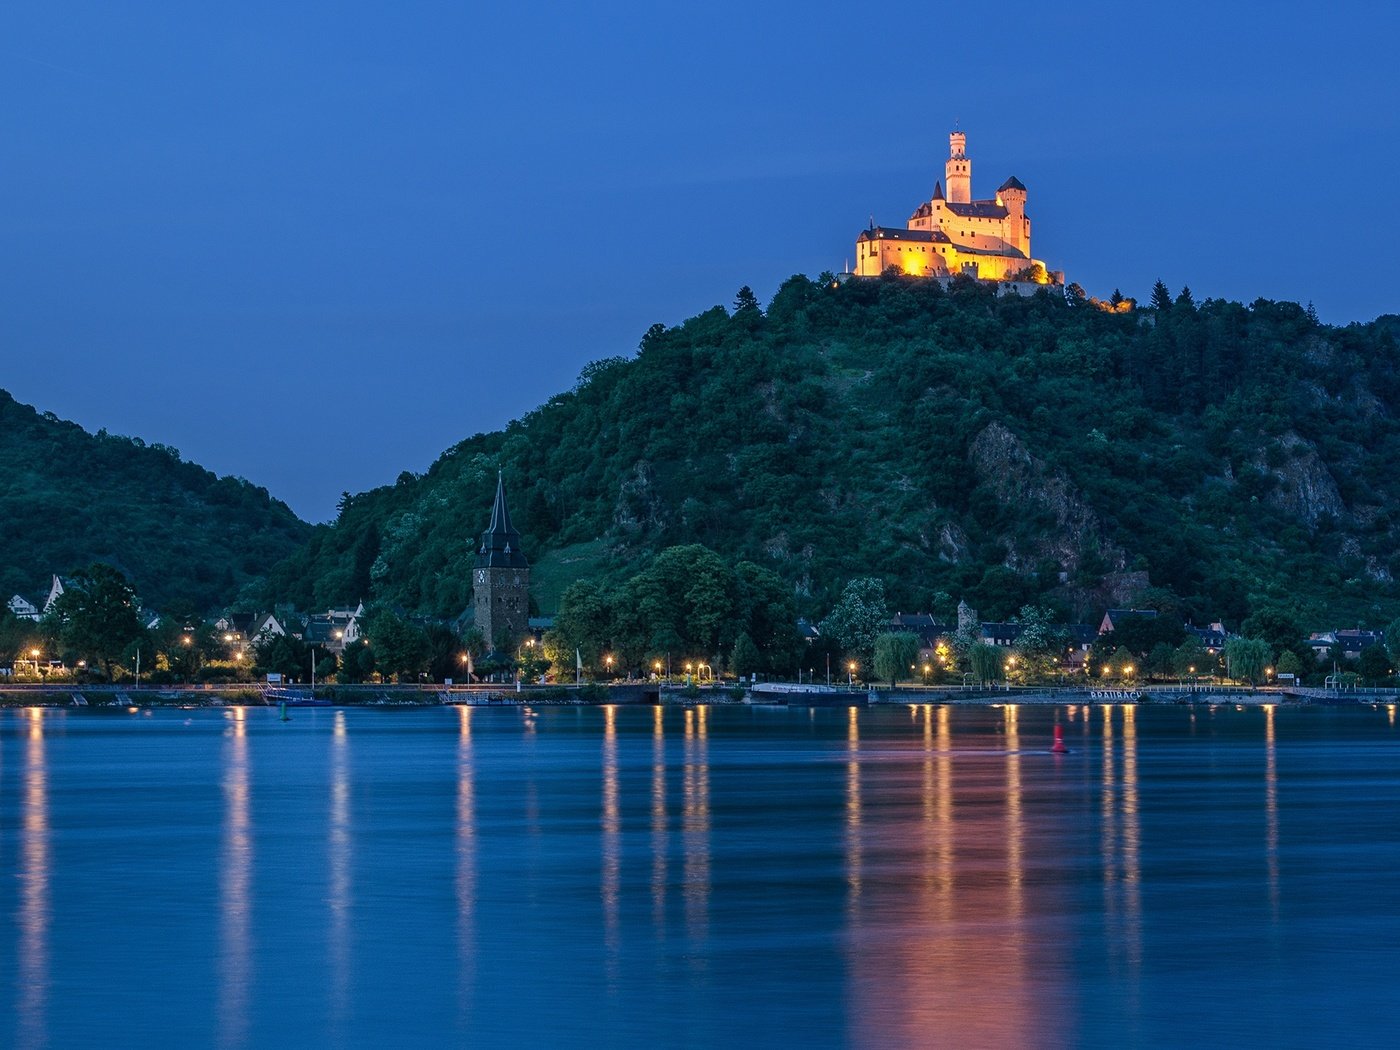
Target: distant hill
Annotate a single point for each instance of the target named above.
(188, 539)
(1213, 458)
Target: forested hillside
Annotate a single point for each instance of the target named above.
(1213, 457)
(189, 540)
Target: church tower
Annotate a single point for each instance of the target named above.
(501, 585)
(958, 171)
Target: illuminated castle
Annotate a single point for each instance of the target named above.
(954, 234)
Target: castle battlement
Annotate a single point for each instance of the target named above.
(952, 234)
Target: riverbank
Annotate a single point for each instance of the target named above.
(115, 697)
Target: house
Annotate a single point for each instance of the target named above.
(1002, 634)
(1212, 638)
(23, 608)
(332, 630)
(1113, 616)
(808, 631)
(1349, 642)
(55, 592)
(1079, 642)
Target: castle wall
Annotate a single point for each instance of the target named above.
(874, 257)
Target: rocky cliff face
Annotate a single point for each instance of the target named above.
(1024, 484)
(1306, 489)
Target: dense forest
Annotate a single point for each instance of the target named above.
(1211, 458)
(188, 539)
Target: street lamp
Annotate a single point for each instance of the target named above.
(851, 674)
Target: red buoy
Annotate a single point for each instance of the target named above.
(1058, 747)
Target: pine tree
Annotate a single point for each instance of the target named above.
(745, 301)
(1161, 298)
(1185, 300)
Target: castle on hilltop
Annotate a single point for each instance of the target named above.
(953, 234)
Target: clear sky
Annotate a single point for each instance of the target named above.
(316, 243)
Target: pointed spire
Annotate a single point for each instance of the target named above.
(500, 515)
(938, 189)
(500, 543)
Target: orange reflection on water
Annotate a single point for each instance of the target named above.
(611, 844)
(941, 936)
(235, 898)
(1132, 850)
(696, 830)
(854, 859)
(1271, 808)
(658, 817)
(34, 875)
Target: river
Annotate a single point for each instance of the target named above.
(632, 876)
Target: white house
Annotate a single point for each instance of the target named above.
(23, 608)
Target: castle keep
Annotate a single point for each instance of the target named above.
(953, 234)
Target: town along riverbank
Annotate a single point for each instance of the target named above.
(644, 693)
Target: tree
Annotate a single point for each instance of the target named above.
(400, 648)
(746, 656)
(1191, 658)
(746, 302)
(1139, 635)
(14, 635)
(1161, 298)
(1040, 643)
(1290, 663)
(284, 655)
(584, 624)
(986, 661)
(1247, 658)
(1162, 660)
(531, 661)
(859, 617)
(895, 655)
(444, 652)
(97, 611)
(1392, 641)
(1185, 300)
(1373, 664)
(1275, 625)
(356, 663)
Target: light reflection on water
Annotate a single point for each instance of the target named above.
(33, 977)
(872, 877)
(235, 894)
(466, 868)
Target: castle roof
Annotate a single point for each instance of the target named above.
(1012, 183)
(500, 543)
(977, 209)
(897, 233)
(937, 189)
(1007, 253)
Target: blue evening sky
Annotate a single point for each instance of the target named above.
(316, 243)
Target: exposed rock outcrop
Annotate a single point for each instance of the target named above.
(1306, 489)
(1019, 481)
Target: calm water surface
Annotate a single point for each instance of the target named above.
(638, 877)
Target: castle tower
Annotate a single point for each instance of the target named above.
(501, 586)
(1012, 195)
(958, 171)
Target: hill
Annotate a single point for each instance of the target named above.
(1214, 457)
(189, 540)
